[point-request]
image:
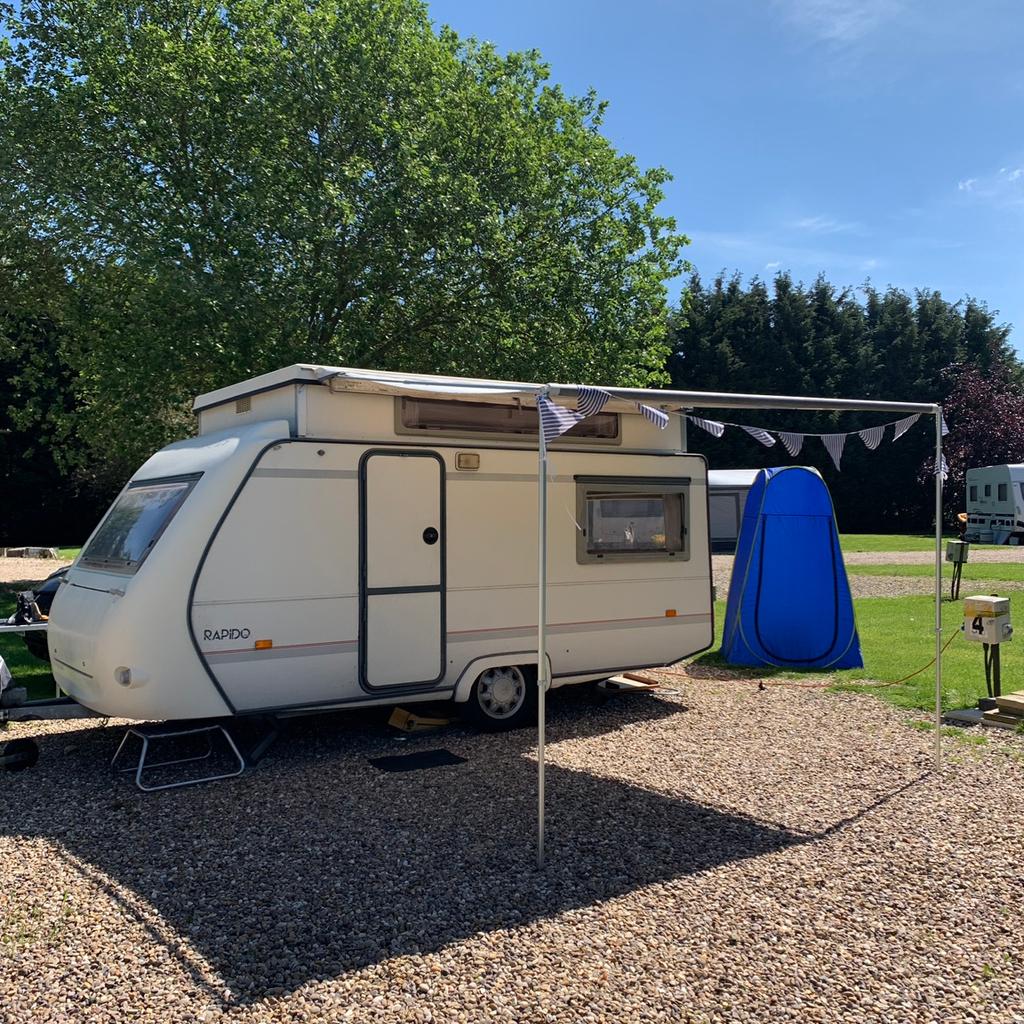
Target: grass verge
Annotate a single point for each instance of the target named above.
(897, 637)
(27, 670)
(896, 542)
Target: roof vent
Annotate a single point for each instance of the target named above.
(243, 404)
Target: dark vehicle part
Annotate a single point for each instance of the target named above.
(32, 607)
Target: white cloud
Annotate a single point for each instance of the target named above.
(713, 248)
(1002, 189)
(839, 23)
(821, 225)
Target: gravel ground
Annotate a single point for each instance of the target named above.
(17, 570)
(864, 586)
(715, 854)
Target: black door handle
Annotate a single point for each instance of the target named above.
(430, 535)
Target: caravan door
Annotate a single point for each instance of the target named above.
(402, 569)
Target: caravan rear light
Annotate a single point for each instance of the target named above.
(264, 645)
(670, 613)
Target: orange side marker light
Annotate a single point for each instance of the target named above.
(264, 645)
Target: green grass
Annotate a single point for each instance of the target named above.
(26, 669)
(894, 542)
(897, 636)
(1013, 571)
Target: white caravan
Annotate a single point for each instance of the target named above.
(727, 495)
(339, 538)
(995, 504)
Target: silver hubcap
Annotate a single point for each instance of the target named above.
(501, 692)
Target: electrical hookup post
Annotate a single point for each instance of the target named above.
(939, 424)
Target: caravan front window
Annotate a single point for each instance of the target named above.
(134, 524)
(621, 519)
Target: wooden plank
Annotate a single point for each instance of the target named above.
(1012, 702)
(1002, 719)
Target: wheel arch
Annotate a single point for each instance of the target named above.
(475, 668)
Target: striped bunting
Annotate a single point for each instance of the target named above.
(872, 436)
(834, 446)
(554, 420)
(656, 416)
(791, 442)
(761, 435)
(590, 401)
(944, 471)
(945, 428)
(903, 425)
(713, 427)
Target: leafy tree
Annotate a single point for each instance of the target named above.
(985, 413)
(235, 186)
(820, 340)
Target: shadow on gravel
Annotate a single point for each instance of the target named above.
(316, 863)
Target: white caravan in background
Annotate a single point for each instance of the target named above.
(995, 504)
(339, 538)
(727, 496)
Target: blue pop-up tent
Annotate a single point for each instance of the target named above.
(789, 599)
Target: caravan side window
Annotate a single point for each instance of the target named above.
(1001, 492)
(988, 490)
(974, 492)
(623, 519)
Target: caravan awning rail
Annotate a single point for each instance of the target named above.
(340, 378)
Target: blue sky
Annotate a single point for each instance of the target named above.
(879, 139)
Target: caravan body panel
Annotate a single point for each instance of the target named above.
(345, 553)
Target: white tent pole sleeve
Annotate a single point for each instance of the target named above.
(938, 588)
(542, 628)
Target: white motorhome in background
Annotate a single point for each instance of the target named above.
(727, 495)
(337, 538)
(995, 504)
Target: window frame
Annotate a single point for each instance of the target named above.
(85, 562)
(656, 487)
(403, 429)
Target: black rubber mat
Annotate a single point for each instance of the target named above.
(415, 761)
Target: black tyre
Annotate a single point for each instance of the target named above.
(503, 698)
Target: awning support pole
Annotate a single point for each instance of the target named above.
(938, 588)
(542, 629)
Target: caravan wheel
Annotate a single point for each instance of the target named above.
(503, 698)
